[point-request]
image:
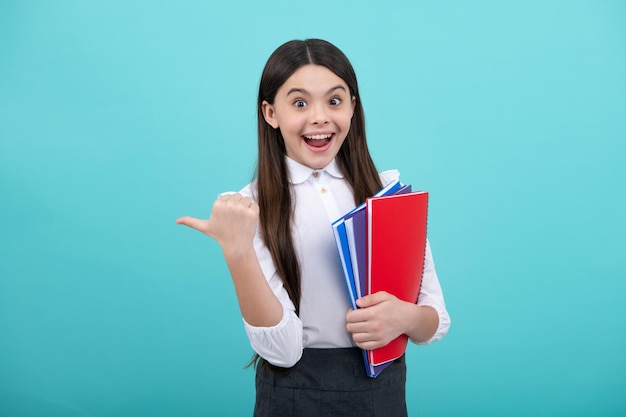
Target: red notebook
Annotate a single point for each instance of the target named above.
(396, 235)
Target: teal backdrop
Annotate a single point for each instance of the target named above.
(117, 117)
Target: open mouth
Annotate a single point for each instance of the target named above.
(318, 141)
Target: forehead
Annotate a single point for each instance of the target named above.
(313, 79)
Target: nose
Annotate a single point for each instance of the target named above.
(319, 115)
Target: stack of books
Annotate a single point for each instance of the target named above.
(381, 246)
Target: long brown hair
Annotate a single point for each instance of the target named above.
(274, 194)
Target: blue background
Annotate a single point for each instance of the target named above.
(118, 117)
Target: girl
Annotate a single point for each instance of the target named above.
(313, 166)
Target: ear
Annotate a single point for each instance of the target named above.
(353, 104)
(269, 114)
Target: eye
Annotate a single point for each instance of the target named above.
(335, 101)
(299, 103)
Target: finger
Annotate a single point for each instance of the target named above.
(229, 196)
(358, 316)
(232, 197)
(246, 201)
(370, 344)
(372, 299)
(233, 201)
(225, 194)
(363, 337)
(367, 301)
(367, 341)
(240, 202)
(357, 328)
(198, 224)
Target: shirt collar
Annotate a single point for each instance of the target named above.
(299, 173)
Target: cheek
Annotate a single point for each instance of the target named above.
(346, 122)
(292, 124)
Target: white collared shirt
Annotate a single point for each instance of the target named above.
(320, 197)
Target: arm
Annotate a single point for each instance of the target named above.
(233, 224)
(275, 332)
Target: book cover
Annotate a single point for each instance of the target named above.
(396, 244)
(341, 240)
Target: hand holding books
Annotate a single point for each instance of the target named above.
(377, 320)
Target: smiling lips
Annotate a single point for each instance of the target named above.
(318, 141)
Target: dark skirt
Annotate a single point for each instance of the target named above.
(330, 382)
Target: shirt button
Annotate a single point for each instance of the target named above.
(323, 190)
(316, 174)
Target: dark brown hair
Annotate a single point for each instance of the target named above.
(354, 159)
(274, 195)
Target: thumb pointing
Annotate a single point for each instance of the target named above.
(198, 224)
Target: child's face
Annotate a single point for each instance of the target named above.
(313, 110)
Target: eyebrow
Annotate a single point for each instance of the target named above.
(303, 91)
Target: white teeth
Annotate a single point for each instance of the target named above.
(319, 137)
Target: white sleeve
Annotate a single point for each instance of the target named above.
(390, 175)
(281, 345)
(431, 295)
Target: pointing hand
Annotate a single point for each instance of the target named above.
(232, 224)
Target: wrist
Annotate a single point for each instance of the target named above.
(422, 324)
(237, 253)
